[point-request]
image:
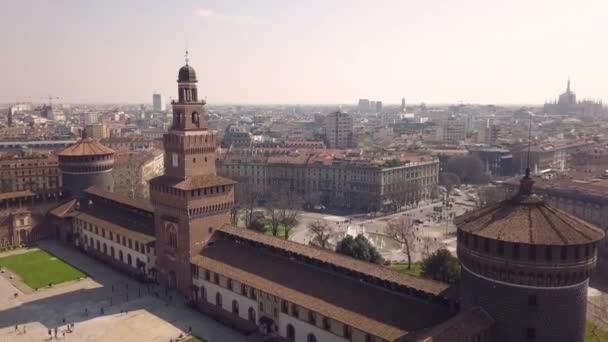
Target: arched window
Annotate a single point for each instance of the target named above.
(218, 299)
(291, 333)
(97, 244)
(203, 293)
(195, 117)
(326, 323)
(251, 315)
(112, 251)
(235, 307)
(120, 255)
(105, 248)
(311, 338)
(129, 259)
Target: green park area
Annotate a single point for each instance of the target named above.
(38, 268)
(415, 270)
(195, 339)
(595, 334)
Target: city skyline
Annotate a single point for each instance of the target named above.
(272, 52)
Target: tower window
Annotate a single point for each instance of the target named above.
(548, 255)
(532, 301)
(531, 333)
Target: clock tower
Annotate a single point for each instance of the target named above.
(190, 200)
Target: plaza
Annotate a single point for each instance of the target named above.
(106, 306)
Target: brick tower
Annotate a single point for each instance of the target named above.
(190, 200)
(528, 265)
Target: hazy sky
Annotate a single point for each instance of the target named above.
(307, 51)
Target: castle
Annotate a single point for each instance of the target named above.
(525, 265)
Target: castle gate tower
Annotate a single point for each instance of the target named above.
(190, 200)
(86, 163)
(528, 265)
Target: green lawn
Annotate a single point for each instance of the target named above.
(268, 229)
(195, 339)
(38, 268)
(416, 269)
(589, 336)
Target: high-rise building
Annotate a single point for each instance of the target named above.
(190, 200)
(363, 106)
(97, 131)
(403, 105)
(158, 103)
(452, 130)
(378, 106)
(339, 130)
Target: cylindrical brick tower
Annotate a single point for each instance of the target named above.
(528, 265)
(84, 164)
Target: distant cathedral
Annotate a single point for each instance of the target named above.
(567, 105)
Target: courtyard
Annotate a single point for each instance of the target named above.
(104, 306)
(38, 268)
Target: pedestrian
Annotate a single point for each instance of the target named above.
(63, 334)
(24, 328)
(63, 320)
(16, 327)
(55, 332)
(50, 333)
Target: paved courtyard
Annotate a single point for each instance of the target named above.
(130, 312)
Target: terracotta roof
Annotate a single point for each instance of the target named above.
(528, 219)
(64, 209)
(15, 194)
(382, 313)
(373, 270)
(194, 182)
(121, 198)
(463, 327)
(85, 147)
(116, 228)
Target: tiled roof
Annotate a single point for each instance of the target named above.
(85, 147)
(121, 198)
(361, 305)
(125, 230)
(15, 194)
(64, 209)
(194, 182)
(463, 327)
(528, 219)
(373, 270)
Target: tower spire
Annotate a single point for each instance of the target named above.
(188, 59)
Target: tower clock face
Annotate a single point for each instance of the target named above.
(174, 159)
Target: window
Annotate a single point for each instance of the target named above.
(312, 317)
(294, 310)
(291, 333)
(283, 306)
(251, 315)
(218, 299)
(235, 307)
(203, 293)
(347, 332)
(531, 333)
(311, 338)
(229, 284)
(326, 323)
(207, 275)
(216, 278)
(532, 300)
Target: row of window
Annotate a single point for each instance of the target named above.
(291, 309)
(103, 248)
(182, 193)
(565, 252)
(120, 239)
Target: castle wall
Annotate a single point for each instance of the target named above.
(555, 314)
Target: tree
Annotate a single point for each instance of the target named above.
(290, 218)
(244, 200)
(322, 232)
(284, 210)
(443, 266)
(468, 168)
(359, 248)
(403, 230)
(449, 181)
